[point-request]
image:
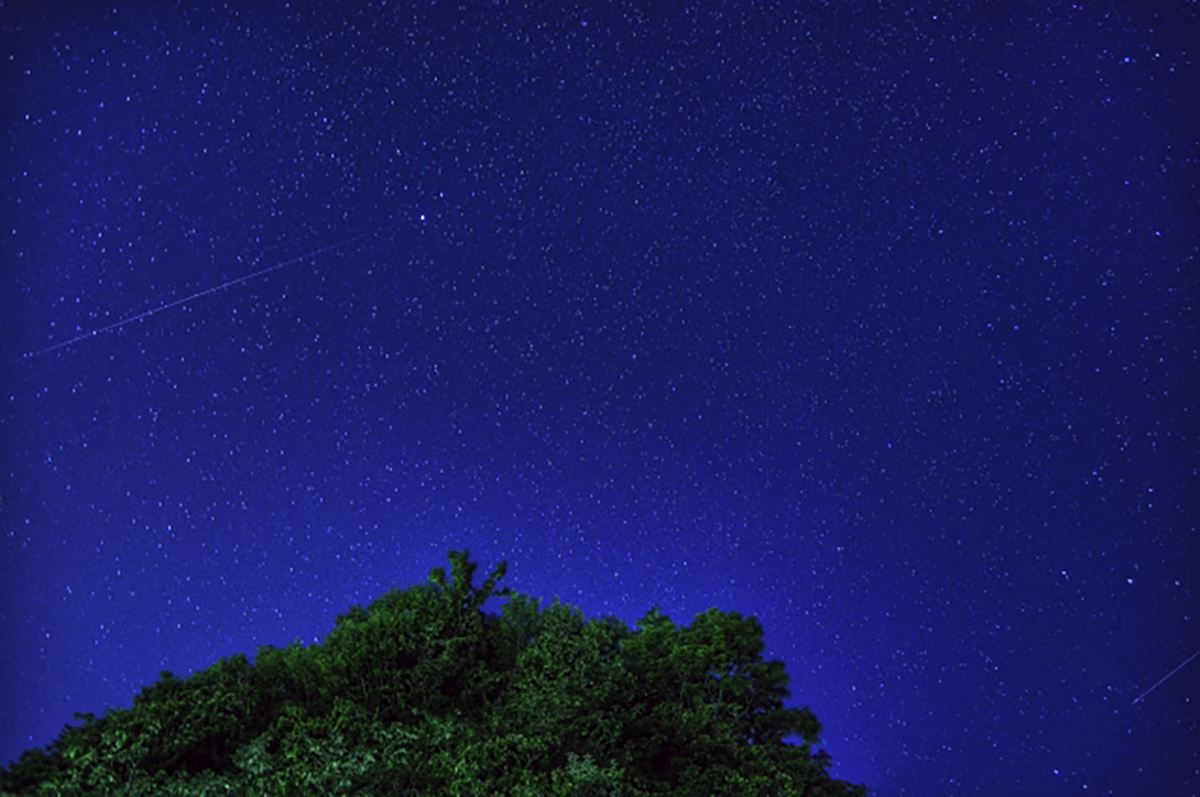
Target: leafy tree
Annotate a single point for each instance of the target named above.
(423, 693)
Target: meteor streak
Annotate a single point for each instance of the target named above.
(1138, 699)
(186, 299)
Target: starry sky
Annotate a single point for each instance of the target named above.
(877, 322)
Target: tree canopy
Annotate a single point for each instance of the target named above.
(424, 693)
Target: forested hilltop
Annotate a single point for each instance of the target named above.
(423, 693)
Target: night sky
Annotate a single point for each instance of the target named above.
(877, 323)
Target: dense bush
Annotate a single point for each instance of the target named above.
(423, 693)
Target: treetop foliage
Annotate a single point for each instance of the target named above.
(423, 693)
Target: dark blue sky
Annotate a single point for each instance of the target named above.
(877, 324)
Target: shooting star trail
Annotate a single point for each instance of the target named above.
(1138, 699)
(186, 299)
